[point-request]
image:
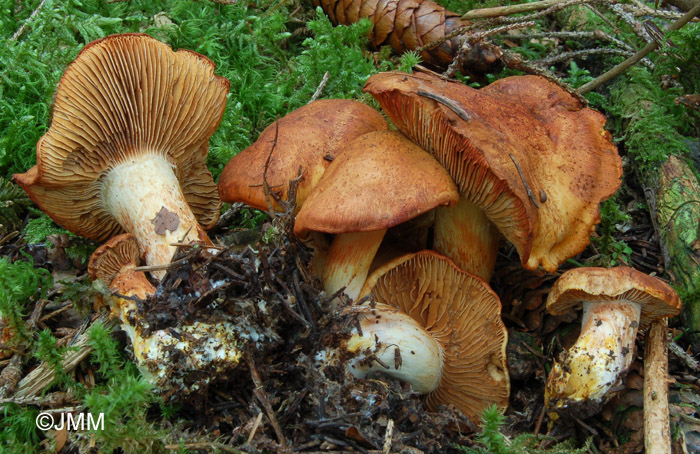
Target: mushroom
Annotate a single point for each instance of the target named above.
(127, 146)
(307, 140)
(657, 432)
(436, 327)
(187, 356)
(616, 302)
(380, 180)
(525, 155)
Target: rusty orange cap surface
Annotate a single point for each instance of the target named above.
(381, 179)
(523, 150)
(306, 139)
(656, 298)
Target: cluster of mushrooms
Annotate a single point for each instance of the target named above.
(406, 222)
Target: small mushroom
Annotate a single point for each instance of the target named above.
(436, 327)
(616, 303)
(127, 146)
(185, 357)
(304, 141)
(504, 146)
(380, 180)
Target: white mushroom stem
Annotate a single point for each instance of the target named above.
(392, 343)
(464, 234)
(601, 355)
(135, 191)
(348, 261)
(172, 352)
(657, 435)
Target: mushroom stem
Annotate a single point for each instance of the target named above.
(198, 349)
(348, 261)
(136, 191)
(657, 438)
(464, 234)
(598, 359)
(392, 343)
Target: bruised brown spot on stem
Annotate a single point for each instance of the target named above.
(165, 220)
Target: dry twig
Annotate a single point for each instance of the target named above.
(510, 9)
(259, 392)
(622, 67)
(19, 32)
(320, 88)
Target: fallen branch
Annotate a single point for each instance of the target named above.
(19, 32)
(259, 392)
(510, 9)
(625, 65)
(687, 359)
(320, 87)
(37, 380)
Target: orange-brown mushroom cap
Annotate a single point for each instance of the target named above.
(122, 96)
(656, 298)
(520, 133)
(381, 179)
(463, 314)
(114, 262)
(308, 138)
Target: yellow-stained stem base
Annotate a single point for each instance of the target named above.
(596, 364)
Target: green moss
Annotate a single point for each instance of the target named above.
(612, 250)
(47, 350)
(20, 284)
(19, 434)
(38, 229)
(13, 203)
(492, 441)
(122, 396)
(648, 118)
(682, 60)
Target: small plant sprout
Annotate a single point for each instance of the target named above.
(530, 162)
(127, 146)
(436, 327)
(381, 180)
(616, 303)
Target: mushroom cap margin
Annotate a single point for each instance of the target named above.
(592, 284)
(125, 94)
(518, 124)
(309, 138)
(381, 180)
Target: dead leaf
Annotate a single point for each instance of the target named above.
(60, 438)
(354, 434)
(165, 220)
(692, 101)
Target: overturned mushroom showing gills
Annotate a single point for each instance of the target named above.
(522, 150)
(616, 302)
(127, 146)
(437, 328)
(381, 180)
(183, 358)
(302, 144)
